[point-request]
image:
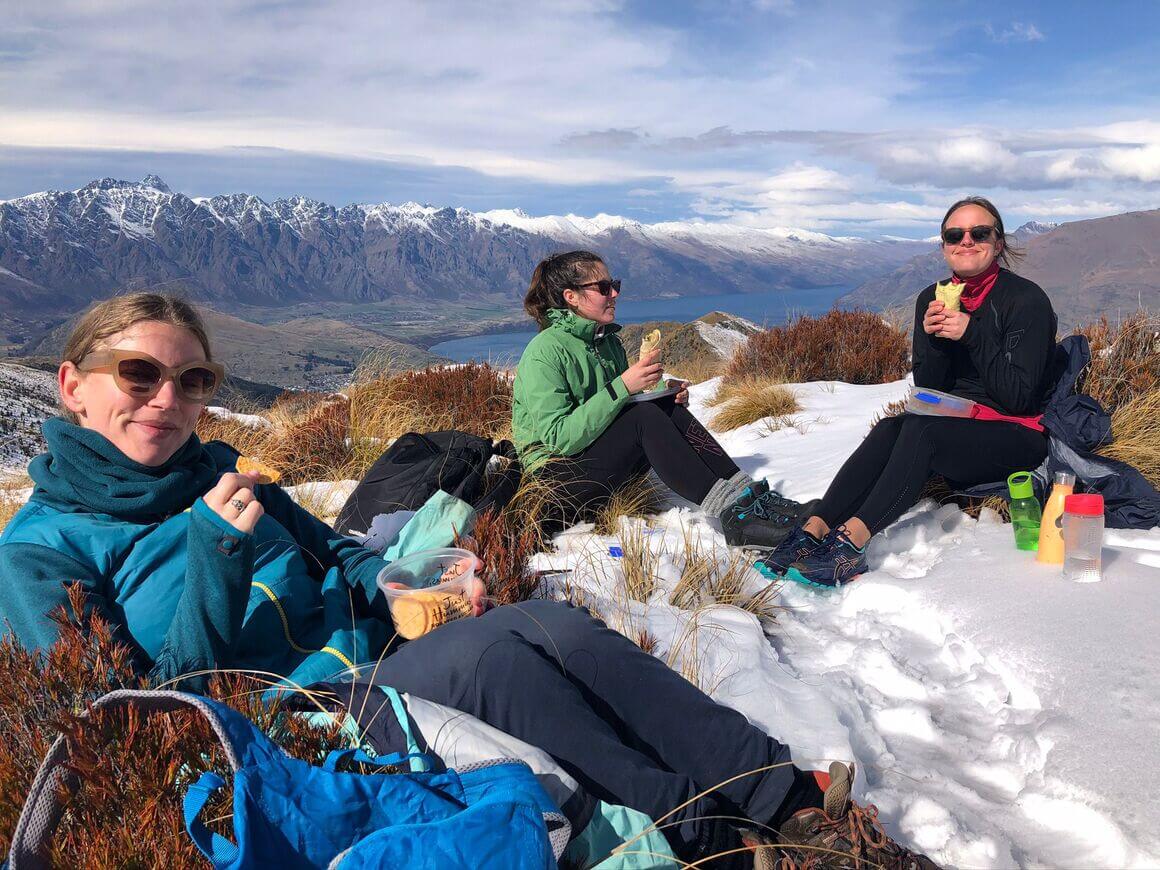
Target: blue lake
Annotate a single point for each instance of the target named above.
(767, 309)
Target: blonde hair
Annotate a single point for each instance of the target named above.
(106, 319)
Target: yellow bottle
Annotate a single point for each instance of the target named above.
(1051, 526)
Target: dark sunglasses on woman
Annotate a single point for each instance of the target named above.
(954, 235)
(141, 376)
(605, 288)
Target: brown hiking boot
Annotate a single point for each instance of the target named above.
(842, 835)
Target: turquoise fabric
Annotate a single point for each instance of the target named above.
(567, 388)
(628, 839)
(434, 525)
(185, 589)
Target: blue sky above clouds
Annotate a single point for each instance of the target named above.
(849, 117)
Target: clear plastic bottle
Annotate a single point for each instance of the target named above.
(1024, 510)
(1083, 537)
(1051, 526)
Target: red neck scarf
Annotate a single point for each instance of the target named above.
(978, 287)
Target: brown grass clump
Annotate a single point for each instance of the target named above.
(1125, 359)
(133, 771)
(890, 409)
(8, 508)
(857, 347)
(745, 400)
(637, 498)
(504, 545)
(473, 397)
(1136, 435)
(707, 580)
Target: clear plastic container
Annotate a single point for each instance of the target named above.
(448, 569)
(1083, 537)
(1051, 525)
(936, 403)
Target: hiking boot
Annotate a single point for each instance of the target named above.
(841, 835)
(835, 562)
(751, 494)
(798, 545)
(765, 522)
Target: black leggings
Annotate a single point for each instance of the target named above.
(660, 434)
(630, 729)
(885, 475)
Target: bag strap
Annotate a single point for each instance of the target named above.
(220, 851)
(43, 807)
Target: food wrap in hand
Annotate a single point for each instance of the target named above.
(650, 342)
(949, 294)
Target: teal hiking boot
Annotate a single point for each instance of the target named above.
(835, 562)
(798, 545)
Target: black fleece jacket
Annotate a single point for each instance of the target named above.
(1003, 359)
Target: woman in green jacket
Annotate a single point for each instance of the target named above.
(576, 397)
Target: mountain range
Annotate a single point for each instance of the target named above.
(1089, 268)
(60, 250)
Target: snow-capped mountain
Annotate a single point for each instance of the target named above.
(59, 250)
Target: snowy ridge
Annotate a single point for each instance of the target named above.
(68, 246)
(28, 397)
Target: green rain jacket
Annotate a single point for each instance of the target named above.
(568, 388)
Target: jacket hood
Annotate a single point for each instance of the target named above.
(84, 471)
(566, 320)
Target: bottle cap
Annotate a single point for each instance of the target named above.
(1065, 478)
(1020, 485)
(1087, 505)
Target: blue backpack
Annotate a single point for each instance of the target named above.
(292, 814)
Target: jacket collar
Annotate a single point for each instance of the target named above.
(587, 330)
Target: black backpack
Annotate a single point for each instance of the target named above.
(415, 466)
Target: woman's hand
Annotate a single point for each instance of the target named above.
(954, 324)
(644, 373)
(233, 500)
(682, 398)
(932, 321)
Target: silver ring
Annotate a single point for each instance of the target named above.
(238, 504)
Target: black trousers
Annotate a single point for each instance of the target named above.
(630, 729)
(885, 475)
(660, 434)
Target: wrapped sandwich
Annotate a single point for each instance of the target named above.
(650, 342)
(949, 294)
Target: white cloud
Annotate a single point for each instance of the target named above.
(1017, 31)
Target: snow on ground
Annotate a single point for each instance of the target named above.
(27, 397)
(999, 715)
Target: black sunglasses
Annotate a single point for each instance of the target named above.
(605, 288)
(954, 235)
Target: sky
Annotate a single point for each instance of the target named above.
(852, 118)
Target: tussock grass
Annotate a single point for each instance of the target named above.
(1136, 434)
(1125, 358)
(857, 347)
(8, 508)
(637, 498)
(10, 502)
(707, 579)
(745, 400)
(639, 563)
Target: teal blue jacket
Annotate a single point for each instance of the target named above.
(568, 388)
(184, 588)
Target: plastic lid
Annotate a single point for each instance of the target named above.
(1087, 505)
(1020, 485)
(1066, 478)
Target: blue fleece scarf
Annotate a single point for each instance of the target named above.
(84, 471)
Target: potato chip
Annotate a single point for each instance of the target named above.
(266, 474)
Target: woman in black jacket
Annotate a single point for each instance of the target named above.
(997, 351)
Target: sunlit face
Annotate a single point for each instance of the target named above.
(148, 431)
(589, 303)
(969, 258)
